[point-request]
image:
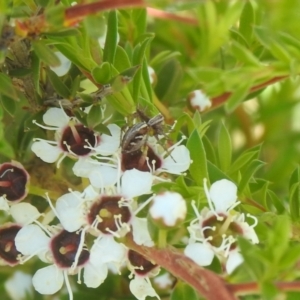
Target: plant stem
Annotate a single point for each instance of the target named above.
(162, 238)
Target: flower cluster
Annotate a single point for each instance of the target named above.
(84, 230)
(86, 238)
(214, 231)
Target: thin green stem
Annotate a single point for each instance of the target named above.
(162, 238)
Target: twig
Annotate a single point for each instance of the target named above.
(208, 284)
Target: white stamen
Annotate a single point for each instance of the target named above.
(143, 205)
(80, 247)
(43, 126)
(8, 170)
(255, 220)
(68, 285)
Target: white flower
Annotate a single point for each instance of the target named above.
(71, 138)
(102, 214)
(141, 269)
(22, 281)
(214, 230)
(174, 160)
(63, 250)
(168, 208)
(141, 288)
(104, 251)
(199, 101)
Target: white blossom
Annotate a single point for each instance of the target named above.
(208, 232)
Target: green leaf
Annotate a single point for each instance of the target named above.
(224, 148)
(55, 15)
(94, 116)
(254, 266)
(138, 58)
(94, 25)
(198, 167)
(183, 291)
(278, 238)
(276, 201)
(248, 173)
(7, 88)
(247, 20)
(238, 96)
(101, 128)
(120, 81)
(36, 70)
(294, 194)
(6, 149)
(111, 40)
(8, 104)
(122, 61)
(102, 74)
(215, 173)
(139, 18)
(163, 56)
(168, 80)
(242, 160)
(146, 89)
(244, 55)
(58, 85)
(45, 54)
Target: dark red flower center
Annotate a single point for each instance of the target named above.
(232, 229)
(140, 263)
(76, 138)
(64, 247)
(138, 160)
(13, 182)
(8, 251)
(109, 210)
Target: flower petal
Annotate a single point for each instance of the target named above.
(70, 211)
(105, 250)
(45, 151)
(223, 194)
(109, 144)
(56, 117)
(140, 232)
(31, 239)
(99, 176)
(24, 213)
(4, 204)
(48, 280)
(136, 183)
(141, 288)
(64, 67)
(178, 161)
(23, 282)
(201, 254)
(234, 260)
(94, 275)
(103, 176)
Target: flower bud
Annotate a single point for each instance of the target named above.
(168, 210)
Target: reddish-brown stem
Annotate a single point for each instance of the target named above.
(208, 284)
(253, 287)
(255, 204)
(219, 100)
(77, 12)
(160, 14)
